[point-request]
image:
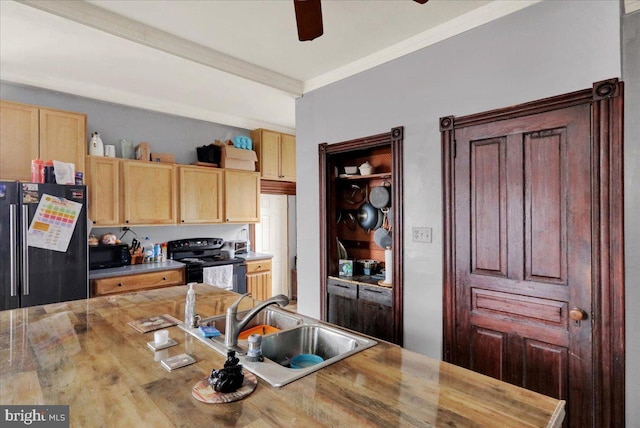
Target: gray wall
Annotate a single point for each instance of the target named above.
(631, 76)
(165, 132)
(548, 49)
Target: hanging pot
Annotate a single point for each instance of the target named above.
(368, 216)
(380, 196)
(382, 237)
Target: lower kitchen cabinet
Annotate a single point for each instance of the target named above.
(259, 279)
(374, 309)
(361, 307)
(343, 304)
(142, 281)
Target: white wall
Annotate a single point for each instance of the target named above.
(525, 56)
(631, 76)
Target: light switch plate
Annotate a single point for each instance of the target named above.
(422, 234)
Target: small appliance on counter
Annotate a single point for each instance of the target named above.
(103, 256)
(238, 247)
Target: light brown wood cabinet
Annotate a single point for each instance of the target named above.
(142, 281)
(148, 195)
(103, 181)
(201, 195)
(242, 196)
(28, 132)
(276, 154)
(259, 279)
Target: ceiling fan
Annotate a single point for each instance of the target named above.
(309, 18)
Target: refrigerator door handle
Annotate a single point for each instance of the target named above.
(25, 250)
(13, 256)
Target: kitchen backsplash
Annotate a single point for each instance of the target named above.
(159, 234)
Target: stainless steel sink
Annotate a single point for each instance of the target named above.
(281, 320)
(298, 335)
(316, 339)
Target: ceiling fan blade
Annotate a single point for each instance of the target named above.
(308, 18)
(421, 1)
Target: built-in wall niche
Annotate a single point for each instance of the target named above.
(344, 190)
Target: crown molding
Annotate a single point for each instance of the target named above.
(118, 25)
(112, 95)
(468, 21)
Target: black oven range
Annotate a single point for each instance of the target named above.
(199, 253)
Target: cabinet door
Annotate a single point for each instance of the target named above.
(143, 281)
(103, 181)
(18, 140)
(149, 193)
(62, 137)
(376, 314)
(242, 196)
(270, 155)
(201, 195)
(342, 304)
(259, 285)
(288, 157)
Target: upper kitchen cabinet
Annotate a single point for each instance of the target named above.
(103, 182)
(201, 195)
(149, 193)
(29, 132)
(276, 154)
(242, 196)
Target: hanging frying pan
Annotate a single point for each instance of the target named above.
(380, 196)
(368, 216)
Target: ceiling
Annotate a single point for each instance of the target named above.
(236, 62)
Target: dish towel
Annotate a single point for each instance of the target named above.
(218, 276)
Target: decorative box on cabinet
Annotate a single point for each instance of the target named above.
(149, 193)
(276, 154)
(259, 278)
(201, 194)
(28, 132)
(142, 281)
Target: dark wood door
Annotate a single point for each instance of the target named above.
(523, 251)
(525, 256)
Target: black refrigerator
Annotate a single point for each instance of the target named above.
(43, 244)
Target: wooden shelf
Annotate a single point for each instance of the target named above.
(365, 177)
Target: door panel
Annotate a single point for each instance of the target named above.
(558, 312)
(523, 249)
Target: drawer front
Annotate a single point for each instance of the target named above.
(120, 284)
(376, 295)
(259, 266)
(342, 288)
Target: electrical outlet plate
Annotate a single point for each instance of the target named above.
(422, 234)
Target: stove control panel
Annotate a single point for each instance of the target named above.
(195, 244)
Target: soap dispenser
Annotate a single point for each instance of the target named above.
(190, 306)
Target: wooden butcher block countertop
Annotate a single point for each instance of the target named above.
(85, 355)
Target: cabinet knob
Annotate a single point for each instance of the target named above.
(94, 222)
(120, 285)
(164, 278)
(126, 221)
(577, 314)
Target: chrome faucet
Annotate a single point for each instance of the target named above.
(235, 326)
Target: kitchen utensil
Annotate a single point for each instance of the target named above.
(302, 361)
(368, 216)
(342, 252)
(380, 196)
(350, 170)
(382, 237)
(366, 168)
(354, 194)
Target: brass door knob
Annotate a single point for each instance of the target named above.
(577, 314)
